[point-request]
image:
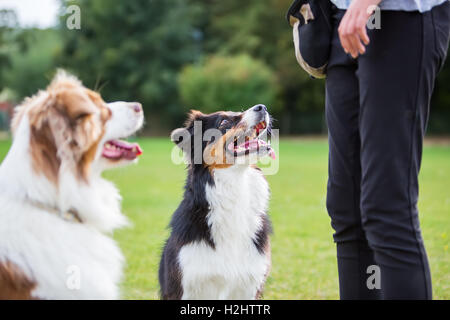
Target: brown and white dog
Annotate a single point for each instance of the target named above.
(55, 208)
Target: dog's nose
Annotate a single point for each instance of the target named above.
(259, 108)
(137, 107)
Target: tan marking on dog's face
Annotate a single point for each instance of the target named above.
(68, 124)
(14, 284)
(91, 138)
(44, 151)
(215, 154)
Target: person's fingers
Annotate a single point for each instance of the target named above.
(356, 41)
(352, 29)
(358, 47)
(362, 30)
(358, 35)
(353, 34)
(342, 37)
(344, 33)
(346, 44)
(349, 34)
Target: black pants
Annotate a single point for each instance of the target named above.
(377, 109)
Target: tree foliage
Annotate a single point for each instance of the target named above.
(133, 50)
(227, 82)
(175, 54)
(32, 68)
(258, 28)
(8, 41)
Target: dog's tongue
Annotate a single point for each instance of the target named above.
(272, 154)
(117, 149)
(254, 144)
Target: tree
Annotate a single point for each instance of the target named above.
(227, 83)
(258, 28)
(133, 50)
(8, 23)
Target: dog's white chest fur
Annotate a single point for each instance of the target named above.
(234, 269)
(67, 260)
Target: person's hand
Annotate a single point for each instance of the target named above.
(352, 29)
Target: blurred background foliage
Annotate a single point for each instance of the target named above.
(173, 55)
(227, 82)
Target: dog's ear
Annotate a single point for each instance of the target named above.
(182, 136)
(193, 115)
(70, 96)
(76, 103)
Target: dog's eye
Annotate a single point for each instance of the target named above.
(81, 116)
(224, 122)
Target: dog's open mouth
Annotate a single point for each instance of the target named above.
(119, 149)
(252, 143)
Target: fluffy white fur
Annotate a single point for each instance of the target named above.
(234, 269)
(43, 245)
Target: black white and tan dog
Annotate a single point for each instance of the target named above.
(219, 244)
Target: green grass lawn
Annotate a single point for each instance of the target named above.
(303, 253)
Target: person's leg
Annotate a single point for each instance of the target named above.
(343, 191)
(396, 77)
